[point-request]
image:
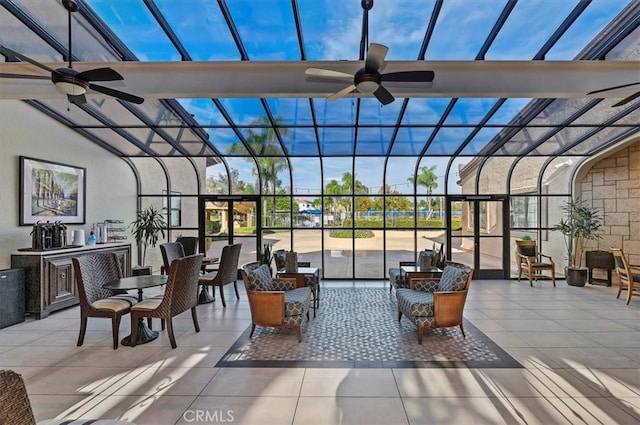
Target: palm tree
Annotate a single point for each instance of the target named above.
(427, 178)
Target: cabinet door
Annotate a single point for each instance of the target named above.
(62, 286)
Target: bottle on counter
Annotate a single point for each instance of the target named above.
(92, 237)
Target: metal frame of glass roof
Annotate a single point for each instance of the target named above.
(148, 30)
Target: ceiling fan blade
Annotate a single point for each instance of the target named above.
(375, 57)
(100, 74)
(117, 94)
(25, 76)
(8, 52)
(627, 100)
(613, 88)
(409, 76)
(77, 99)
(345, 91)
(383, 96)
(327, 73)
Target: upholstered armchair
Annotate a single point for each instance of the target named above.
(436, 303)
(275, 302)
(532, 262)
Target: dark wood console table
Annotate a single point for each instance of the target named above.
(50, 281)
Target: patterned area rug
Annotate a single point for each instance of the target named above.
(358, 328)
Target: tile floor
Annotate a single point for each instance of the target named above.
(580, 348)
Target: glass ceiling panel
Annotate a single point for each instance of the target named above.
(247, 112)
(493, 175)
(132, 22)
(598, 14)
(330, 32)
(301, 142)
(372, 112)
(117, 141)
(336, 141)
(16, 36)
(528, 27)
(227, 142)
(480, 140)
(289, 111)
(509, 109)
(337, 112)
(266, 28)
(425, 111)
(462, 28)
(469, 111)
(394, 24)
(201, 28)
(373, 140)
(411, 140)
(448, 140)
(88, 45)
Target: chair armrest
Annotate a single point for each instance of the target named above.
(546, 256)
(448, 307)
(267, 307)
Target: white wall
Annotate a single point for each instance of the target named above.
(111, 185)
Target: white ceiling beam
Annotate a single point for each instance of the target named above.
(520, 79)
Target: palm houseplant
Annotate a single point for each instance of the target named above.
(147, 229)
(581, 223)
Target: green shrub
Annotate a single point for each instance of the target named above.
(348, 234)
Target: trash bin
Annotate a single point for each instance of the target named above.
(12, 297)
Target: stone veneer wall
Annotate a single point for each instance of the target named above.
(613, 186)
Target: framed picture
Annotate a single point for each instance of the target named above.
(51, 191)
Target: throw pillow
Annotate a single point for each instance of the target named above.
(453, 279)
(260, 279)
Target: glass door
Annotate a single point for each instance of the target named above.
(477, 235)
(230, 219)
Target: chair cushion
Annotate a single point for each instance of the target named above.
(296, 301)
(111, 304)
(453, 279)
(147, 305)
(260, 279)
(396, 277)
(426, 285)
(131, 299)
(415, 303)
(541, 265)
(282, 285)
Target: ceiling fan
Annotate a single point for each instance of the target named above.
(69, 81)
(368, 80)
(623, 101)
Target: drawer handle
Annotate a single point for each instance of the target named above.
(63, 275)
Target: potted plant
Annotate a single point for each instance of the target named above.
(581, 223)
(147, 228)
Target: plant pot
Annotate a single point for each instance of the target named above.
(576, 276)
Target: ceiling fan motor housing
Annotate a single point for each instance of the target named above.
(367, 82)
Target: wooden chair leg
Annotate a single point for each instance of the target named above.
(115, 325)
(553, 277)
(420, 332)
(172, 338)
(235, 288)
(530, 278)
(619, 288)
(629, 290)
(299, 333)
(83, 330)
(224, 303)
(399, 315)
(462, 330)
(194, 316)
(253, 328)
(134, 329)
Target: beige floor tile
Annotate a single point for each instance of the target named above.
(457, 411)
(241, 410)
(349, 383)
(612, 382)
(274, 382)
(161, 381)
(615, 339)
(27, 355)
(440, 383)
(593, 325)
(152, 410)
(507, 339)
(209, 338)
(515, 325)
(187, 356)
(108, 357)
(350, 411)
(76, 380)
(579, 358)
(487, 325)
(541, 338)
(14, 336)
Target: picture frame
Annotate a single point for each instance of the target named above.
(51, 191)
